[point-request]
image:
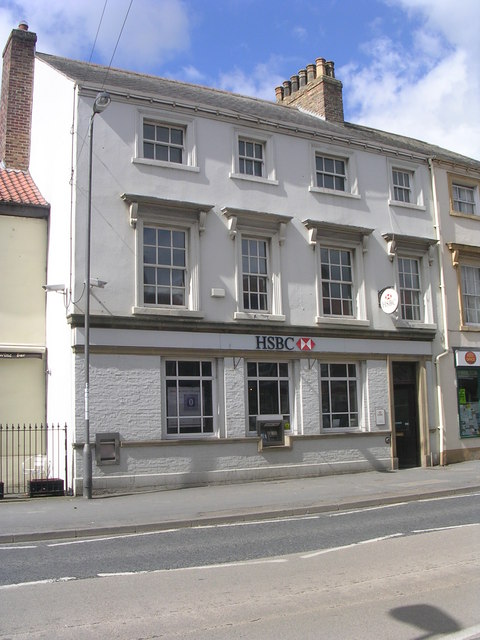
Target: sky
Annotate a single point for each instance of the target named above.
(407, 66)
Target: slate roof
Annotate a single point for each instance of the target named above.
(258, 111)
(18, 187)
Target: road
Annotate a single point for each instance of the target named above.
(402, 571)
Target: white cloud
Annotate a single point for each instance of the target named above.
(431, 90)
(259, 83)
(154, 30)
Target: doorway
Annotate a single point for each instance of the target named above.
(405, 402)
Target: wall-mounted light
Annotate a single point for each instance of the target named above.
(59, 288)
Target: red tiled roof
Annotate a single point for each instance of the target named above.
(18, 187)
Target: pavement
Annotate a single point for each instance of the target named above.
(64, 517)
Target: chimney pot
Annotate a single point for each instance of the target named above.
(302, 77)
(320, 62)
(310, 72)
(294, 83)
(330, 67)
(286, 88)
(279, 94)
(23, 25)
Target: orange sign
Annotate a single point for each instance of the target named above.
(470, 357)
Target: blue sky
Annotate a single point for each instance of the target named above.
(408, 66)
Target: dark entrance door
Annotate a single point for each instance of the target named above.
(406, 414)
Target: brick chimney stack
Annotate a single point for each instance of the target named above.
(314, 89)
(17, 98)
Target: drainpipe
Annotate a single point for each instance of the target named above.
(446, 349)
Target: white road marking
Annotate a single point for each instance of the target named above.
(37, 582)
(454, 526)
(30, 546)
(223, 565)
(350, 546)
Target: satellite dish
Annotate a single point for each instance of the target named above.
(389, 300)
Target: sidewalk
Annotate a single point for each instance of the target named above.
(67, 517)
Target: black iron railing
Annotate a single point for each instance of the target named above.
(32, 452)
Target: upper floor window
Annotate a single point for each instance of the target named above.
(258, 238)
(331, 173)
(254, 156)
(337, 281)
(410, 289)
(255, 280)
(471, 293)
(407, 184)
(341, 289)
(402, 185)
(464, 195)
(412, 258)
(164, 266)
(167, 236)
(339, 391)
(334, 171)
(463, 199)
(163, 142)
(251, 157)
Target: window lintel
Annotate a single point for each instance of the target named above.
(254, 219)
(150, 204)
(335, 230)
(463, 251)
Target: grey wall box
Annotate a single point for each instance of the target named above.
(107, 448)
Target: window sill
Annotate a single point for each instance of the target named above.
(470, 216)
(266, 317)
(165, 165)
(333, 192)
(417, 326)
(160, 311)
(242, 176)
(353, 322)
(406, 205)
(470, 327)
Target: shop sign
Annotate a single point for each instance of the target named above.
(467, 358)
(281, 343)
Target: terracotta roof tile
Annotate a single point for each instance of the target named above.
(18, 187)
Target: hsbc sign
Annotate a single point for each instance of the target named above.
(281, 343)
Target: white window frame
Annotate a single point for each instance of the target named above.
(416, 189)
(422, 250)
(189, 160)
(268, 143)
(359, 377)
(343, 237)
(213, 378)
(351, 173)
(253, 431)
(417, 293)
(169, 214)
(260, 226)
(466, 182)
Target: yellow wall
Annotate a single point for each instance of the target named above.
(22, 390)
(23, 245)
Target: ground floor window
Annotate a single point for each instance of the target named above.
(189, 391)
(268, 391)
(468, 386)
(339, 388)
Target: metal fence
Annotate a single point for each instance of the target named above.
(32, 452)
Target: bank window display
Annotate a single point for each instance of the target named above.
(189, 397)
(339, 389)
(468, 389)
(268, 391)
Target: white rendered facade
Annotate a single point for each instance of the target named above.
(267, 301)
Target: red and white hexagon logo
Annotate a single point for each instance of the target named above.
(305, 344)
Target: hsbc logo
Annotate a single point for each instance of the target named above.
(280, 343)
